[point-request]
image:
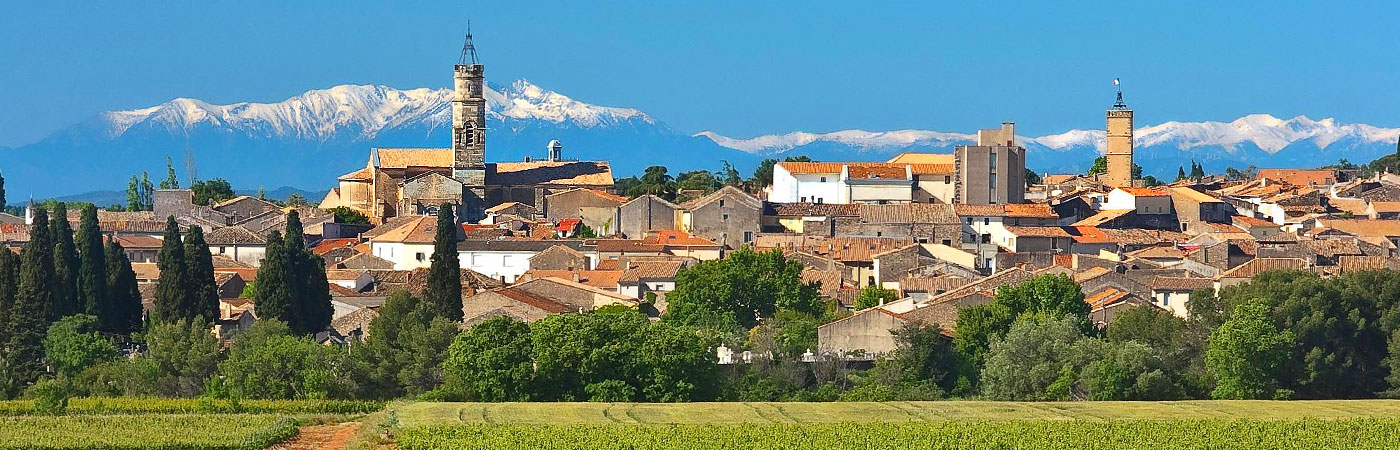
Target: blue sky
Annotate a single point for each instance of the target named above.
(738, 68)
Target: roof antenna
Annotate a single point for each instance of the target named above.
(468, 48)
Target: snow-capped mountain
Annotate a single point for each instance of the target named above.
(308, 140)
(1257, 139)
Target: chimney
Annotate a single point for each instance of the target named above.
(575, 277)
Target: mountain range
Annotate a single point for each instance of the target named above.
(307, 140)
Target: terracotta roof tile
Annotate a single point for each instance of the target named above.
(1165, 283)
(1088, 235)
(1259, 265)
(1299, 177)
(1037, 231)
(1364, 227)
(398, 158)
(579, 173)
(1144, 191)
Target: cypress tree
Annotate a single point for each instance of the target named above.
(443, 294)
(29, 319)
(121, 311)
(65, 265)
(173, 288)
(92, 266)
(203, 294)
(9, 285)
(273, 296)
(316, 309)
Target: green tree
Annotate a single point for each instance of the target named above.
(873, 296)
(492, 361)
(1122, 371)
(1100, 166)
(656, 182)
(443, 294)
(1052, 295)
(405, 348)
(1033, 361)
(183, 354)
(616, 354)
(763, 175)
(736, 291)
(9, 287)
(276, 291)
(173, 289)
(1181, 173)
(1248, 353)
(268, 361)
(121, 311)
(296, 199)
(170, 181)
(209, 192)
(728, 173)
(203, 296)
(65, 266)
(1197, 172)
(148, 193)
(133, 195)
(3, 204)
(72, 345)
(1032, 178)
(311, 290)
(348, 216)
(698, 180)
(92, 270)
(24, 353)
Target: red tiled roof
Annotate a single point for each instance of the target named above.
(568, 224)
(677, 237)
(327, 245)
(1144, 191)
(1299, 177)
(1088, 235)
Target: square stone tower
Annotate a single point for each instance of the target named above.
(469, 130)
(1120, 145)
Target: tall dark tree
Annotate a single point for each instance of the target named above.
(275, 293)
(173, 288)
(65, 265)
(1180, 173)
(444, 292)
(203, 299)
(311, 295)
(92, 266)
(29, 319)
(9, 286)
(170, 181)
(2, 192)
(121, 310)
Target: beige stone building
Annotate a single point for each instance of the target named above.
(991, 172)
(411, 181)
(1120, 145)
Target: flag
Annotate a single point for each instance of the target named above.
(1115, 81)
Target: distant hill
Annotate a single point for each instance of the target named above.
(107, 197)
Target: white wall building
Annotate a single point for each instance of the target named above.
(506, 260)
(879, 183)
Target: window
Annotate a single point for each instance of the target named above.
(804, 199)
(1166, 300)
(748, 236)
(948, 242)
(419, 256)
(724, 217)
(986, 238)
(823, 179)
(947, 178)
(721, 203)
(992, 182)
(992, 161)
(819, 200)
(986, 221)
(969, 221)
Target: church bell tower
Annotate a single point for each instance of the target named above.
(469, 130)
(1120, 144)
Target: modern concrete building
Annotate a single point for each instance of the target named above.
(991, 172)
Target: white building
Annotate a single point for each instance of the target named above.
(409, 244)
(891, 182)
(985, 229)
(506, 260)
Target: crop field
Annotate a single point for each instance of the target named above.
(419, 414)
(1022, 434)
(145, 431)
(139, 405)
(1363, 424)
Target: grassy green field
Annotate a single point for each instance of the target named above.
(145, 431)
(420, 414)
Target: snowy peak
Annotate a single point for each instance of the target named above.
(861, 139)
(362, 111)
(1266, 132)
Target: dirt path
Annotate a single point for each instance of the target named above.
(321, 437)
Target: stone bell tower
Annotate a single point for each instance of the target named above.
(469, 130)
(1120, 144)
